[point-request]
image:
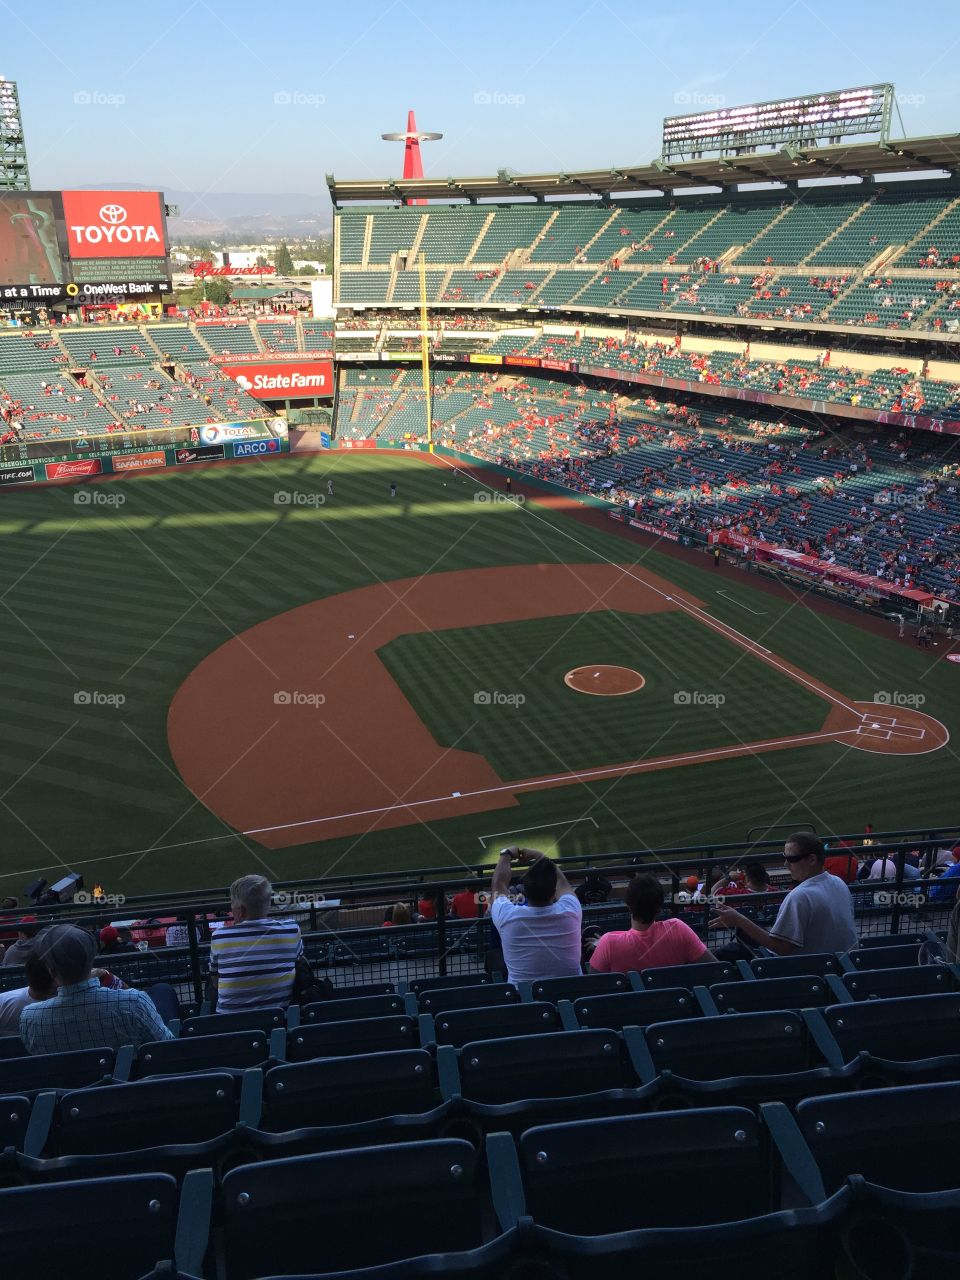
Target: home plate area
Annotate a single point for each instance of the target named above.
(895, 731)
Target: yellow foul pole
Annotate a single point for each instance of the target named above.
(425, 351)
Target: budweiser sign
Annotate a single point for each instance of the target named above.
(202, 269)
(283, 380)
(71, 470)
(114, 224)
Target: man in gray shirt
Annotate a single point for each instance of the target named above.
(816, 915)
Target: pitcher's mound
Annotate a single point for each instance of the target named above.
(604, 682)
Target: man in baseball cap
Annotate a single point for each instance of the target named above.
(83, 1014)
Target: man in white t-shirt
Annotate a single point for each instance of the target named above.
(540, 935)
(40, 986)
(815, 916)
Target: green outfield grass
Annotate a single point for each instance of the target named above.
(684, 706)
(104, 601)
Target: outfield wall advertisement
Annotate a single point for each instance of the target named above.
(283, 379)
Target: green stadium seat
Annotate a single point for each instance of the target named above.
(356, 1036)
(635, 1008)
(594, 984)
(236, 1050)
(444, 999)
(800, 992)
(348, 1090)
(216, 1024)
(343, 1010)
(460, 1026)
(700, 974)
(62, 1071)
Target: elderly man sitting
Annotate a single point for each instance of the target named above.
(253, 959)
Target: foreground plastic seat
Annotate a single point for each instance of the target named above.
(594, 984)
(690, 975)
(378, 1006)
(458, 1027)
(913, 1039)
(63, 1070)
(220, 1023)
(363, 989)
(890, 984)
(745, 1058)
(477, 995)
(14, 1120)
(881, 957)
(135, 1216)
(11, 1047)
(665, 1169)
(356, 1036)
(419, 985)
(149, 1113)
(635, 1008)
(353, 1208)
(803, 992)
(819, 963)
(348, 1090)
(904, 1138)
(236, 1050)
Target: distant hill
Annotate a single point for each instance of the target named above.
(237, 214)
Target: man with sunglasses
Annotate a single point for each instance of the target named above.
(816, 915)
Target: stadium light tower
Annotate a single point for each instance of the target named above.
(14, 174)
(412, 162)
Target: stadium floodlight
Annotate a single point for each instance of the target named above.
(14, 172)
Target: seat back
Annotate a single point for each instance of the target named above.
(594, 984)
(362, 990)
(819, 963)
(460, 1026)
(236, 1050)
(380, 1006)
(885, 957)
(148, 1113)
(802, 992)
(740, 1044)
(347, 1090)
(635, 1008)
(56, 1070)
(689, 975)
(905, 1138)
(665, 1169)
(483, 995)
(419, 985)
(218, 1024)
(889, 939)
(45, 1227)
(14, 1118)
(891, 984)
(559, 1064)
(900, 1030)
(349, 1209)
(12, 1047)
(358, 1035)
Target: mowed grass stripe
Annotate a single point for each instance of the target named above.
(500, 690)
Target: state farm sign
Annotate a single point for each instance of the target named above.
(114, 224)
(283, 379)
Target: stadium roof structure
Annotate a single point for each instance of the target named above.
(791, 164)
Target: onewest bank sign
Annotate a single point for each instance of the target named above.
(283, 379)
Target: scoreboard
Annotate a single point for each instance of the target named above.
(82, 246)
(804, 121)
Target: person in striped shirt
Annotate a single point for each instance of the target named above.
(253, 959)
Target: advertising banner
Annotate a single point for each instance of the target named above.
(528, 362)
(356, 444)
(565, 366)
(283, 379)
(114, 224)
(73, 469)
(203, 453)
(484, 357)
(219, 432)
(257, 448)
(17, 475)
(138, 461)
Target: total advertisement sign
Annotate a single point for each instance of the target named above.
(283, 379)
(114, 224)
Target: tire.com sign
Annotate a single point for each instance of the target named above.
(114, 224)
(283, 380)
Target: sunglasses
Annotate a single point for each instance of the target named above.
(795, 857)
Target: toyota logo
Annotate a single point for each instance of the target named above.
(113, 214)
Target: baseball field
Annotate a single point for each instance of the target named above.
(223, 669)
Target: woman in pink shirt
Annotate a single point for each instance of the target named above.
(649, 943)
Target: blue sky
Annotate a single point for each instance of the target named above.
(207, 96)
